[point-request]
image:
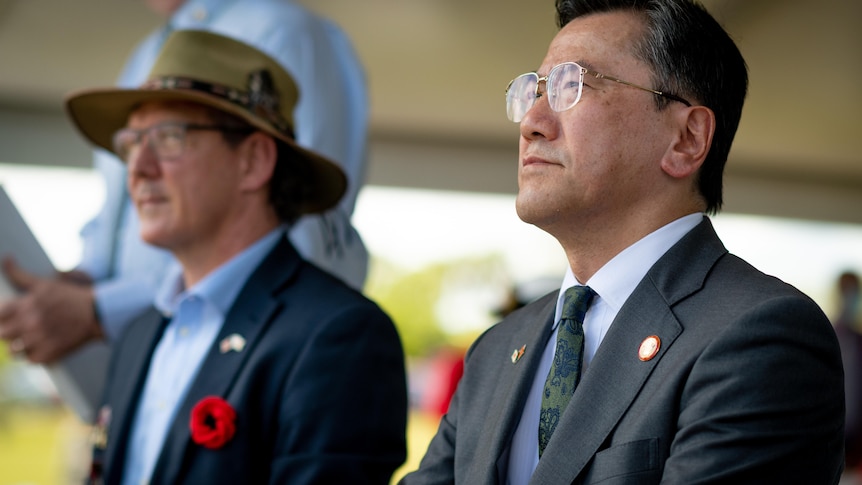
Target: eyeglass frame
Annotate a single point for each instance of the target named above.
(184, 126)
(583, 71)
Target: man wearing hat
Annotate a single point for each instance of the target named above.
(254, 366)
(68, 321)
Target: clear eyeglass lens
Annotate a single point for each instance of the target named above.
(166, 140)
(521, 95)
(564, 86)
(126, 141)
(563, 90)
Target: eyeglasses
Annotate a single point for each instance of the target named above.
(167, 139)
(563, 85)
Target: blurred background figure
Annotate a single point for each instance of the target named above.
(522, 293)
(437, 375)
(443, 371)
(848, 323)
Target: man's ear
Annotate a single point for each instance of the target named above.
(258, 156)
(685, 156)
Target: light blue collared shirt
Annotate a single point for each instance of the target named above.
(613, 283)
(197, 315)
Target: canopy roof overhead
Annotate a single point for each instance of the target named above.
(437, 70)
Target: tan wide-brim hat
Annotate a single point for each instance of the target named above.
(222, 73)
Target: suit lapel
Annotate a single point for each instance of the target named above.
(515, 379)
(249, 316)
(614, 379)
(129, 373)
(616, 375)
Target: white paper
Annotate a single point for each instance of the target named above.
(18, 241)
(80, 377)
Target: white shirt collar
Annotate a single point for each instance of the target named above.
(616, 280)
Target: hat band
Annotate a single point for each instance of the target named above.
(260, 100)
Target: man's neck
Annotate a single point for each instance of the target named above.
(200, 259)
(593, 245)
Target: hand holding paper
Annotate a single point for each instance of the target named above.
(43, 314)
(50, 318)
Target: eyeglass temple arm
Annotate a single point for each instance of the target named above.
(666, 95)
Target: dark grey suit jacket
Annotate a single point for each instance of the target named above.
(319, 389)
(747, 386)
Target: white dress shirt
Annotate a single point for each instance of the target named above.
(613, 283)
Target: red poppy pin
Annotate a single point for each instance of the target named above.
(213, 422)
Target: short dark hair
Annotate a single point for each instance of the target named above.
(289, 185)
(691, 56)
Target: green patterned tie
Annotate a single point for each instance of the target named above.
(568, 358)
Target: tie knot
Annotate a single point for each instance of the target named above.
(576, 302)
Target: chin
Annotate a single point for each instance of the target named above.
(541, 212)
(155, 237)
(525, 208)
(530, 198)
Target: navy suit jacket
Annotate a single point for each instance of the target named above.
(746, 387)
(319, 389)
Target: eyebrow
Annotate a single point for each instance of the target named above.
(585, 64)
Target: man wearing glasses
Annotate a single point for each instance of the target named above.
(662, 358)
(255, 366)
(69, 321)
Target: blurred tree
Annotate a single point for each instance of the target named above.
(409, 299)
(413, 300)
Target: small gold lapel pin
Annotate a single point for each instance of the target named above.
(517, 354)
(649, 348)
(234, 342)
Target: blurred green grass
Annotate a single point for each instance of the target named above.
(47, 445)
(38, 445)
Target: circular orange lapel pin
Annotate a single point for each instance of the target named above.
(649, 347)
